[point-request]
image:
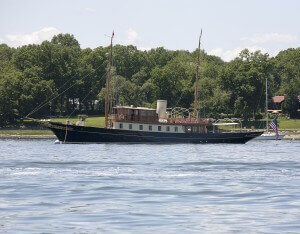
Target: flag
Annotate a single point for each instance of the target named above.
(274, 126)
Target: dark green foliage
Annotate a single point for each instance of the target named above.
(34, 74)
(244, 78)
(288, 69)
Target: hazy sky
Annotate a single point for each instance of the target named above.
(228, 25)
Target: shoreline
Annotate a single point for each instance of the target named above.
(290, 135)
(16, 136)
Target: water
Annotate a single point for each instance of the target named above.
(120, 188)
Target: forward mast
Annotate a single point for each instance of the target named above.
(108, 78)
(197, 80)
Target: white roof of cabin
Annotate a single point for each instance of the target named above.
(135, 108)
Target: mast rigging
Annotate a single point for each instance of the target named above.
(197, 79)
(107, 103)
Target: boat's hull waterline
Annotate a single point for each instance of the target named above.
(79, 134)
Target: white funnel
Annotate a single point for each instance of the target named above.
(161, 109)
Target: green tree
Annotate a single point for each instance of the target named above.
(26, 57)
(167, 82)
(291, 103)
(34, 91)
(128, 60)
(244, 78)
(123, 92)
(10, 87)
(287, 72)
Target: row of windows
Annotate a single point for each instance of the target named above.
(150, 128)
(195, 129)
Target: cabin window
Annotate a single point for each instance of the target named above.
(202, 129)
(176, 129)
(130, 126)
(150, 127)
(141, 127)
(159, 128)
(120, 126)
(168, 128)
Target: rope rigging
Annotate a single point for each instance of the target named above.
(53, 96)
(85, 97)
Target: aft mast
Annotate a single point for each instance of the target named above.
(108, 77)
(197, 80)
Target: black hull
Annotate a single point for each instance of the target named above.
(79, 134)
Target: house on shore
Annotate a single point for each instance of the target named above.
(276, 104)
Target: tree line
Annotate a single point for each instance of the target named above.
(32, 76)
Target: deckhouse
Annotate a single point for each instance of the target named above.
(156, 120)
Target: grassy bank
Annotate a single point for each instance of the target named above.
(93, 121)
(28, 132)
(289, 124)
(284, 124)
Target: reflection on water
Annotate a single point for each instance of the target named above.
(49, 188)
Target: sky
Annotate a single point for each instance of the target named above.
(228, 26)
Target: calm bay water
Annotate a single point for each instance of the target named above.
(121, 188)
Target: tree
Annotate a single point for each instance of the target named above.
(9, 94)
(140, 77)
(6, 52)
(291, 103)
(34, 91)
(159, 57)
(167, 82)
(287, 71)
(31, 74)
(65, 40)
(244, 78)
(123, 92)
(26, 56)
(60, 60)
(128, 60)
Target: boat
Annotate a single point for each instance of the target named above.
(269, 135)
(130, 124)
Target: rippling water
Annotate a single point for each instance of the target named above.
(121, 188)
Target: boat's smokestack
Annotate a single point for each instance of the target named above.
(161, 109)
